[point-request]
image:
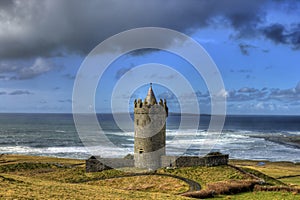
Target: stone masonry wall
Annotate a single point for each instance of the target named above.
(97, 164)
(189, 161)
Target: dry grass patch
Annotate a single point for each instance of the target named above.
(149, 183)
(17, 187)
(13, 159)
(205, 175)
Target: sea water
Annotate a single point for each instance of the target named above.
(242, 137)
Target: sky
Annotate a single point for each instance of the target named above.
(254, 44)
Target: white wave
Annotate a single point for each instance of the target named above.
(238, 144)
(129, 134)
(294, 133)
(60, 131)
(70, 152)
(48, 150)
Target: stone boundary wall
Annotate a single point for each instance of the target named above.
(189, 161)
(97, 164)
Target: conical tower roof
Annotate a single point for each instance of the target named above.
(150, 98)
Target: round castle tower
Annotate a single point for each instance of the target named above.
(149, 131)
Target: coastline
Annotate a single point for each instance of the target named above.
(292, 141)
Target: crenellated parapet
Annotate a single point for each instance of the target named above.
(142, 107)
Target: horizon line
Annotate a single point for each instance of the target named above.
(170, 113)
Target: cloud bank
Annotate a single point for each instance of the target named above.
(54, 27)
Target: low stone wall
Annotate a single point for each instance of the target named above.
(98, 164)
(189, 161)
(215, 160)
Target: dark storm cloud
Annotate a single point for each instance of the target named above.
(3, 93)
(50, 27)
(276, 33)
(280, 34)
(6, 4)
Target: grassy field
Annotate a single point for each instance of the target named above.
(262, 196)
(32, 177)
(286, 172)
(205, 175)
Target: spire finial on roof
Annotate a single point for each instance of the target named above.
(150, 98)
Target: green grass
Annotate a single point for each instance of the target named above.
(51, 178)
(262, 196)
(204, 175)
(31, 188)
(274, 169)
(32, 177)
(293, 181)
(149, 183)
(269, 180)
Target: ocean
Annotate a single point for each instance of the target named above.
(273, 138)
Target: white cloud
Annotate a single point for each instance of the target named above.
(11, 70)
(39, 67)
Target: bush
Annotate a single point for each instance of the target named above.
(277, 189)
(223, 187)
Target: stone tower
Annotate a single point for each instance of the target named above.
(149, 131)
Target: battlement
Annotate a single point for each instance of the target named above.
(143, 107)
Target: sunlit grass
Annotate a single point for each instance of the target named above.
(285, 172)
(204, 175)
(33, 177)
(149, 183)
(31, 188)
(262, 196)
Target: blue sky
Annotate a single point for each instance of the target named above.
(255, 45)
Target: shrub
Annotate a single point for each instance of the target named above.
(223, 187)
